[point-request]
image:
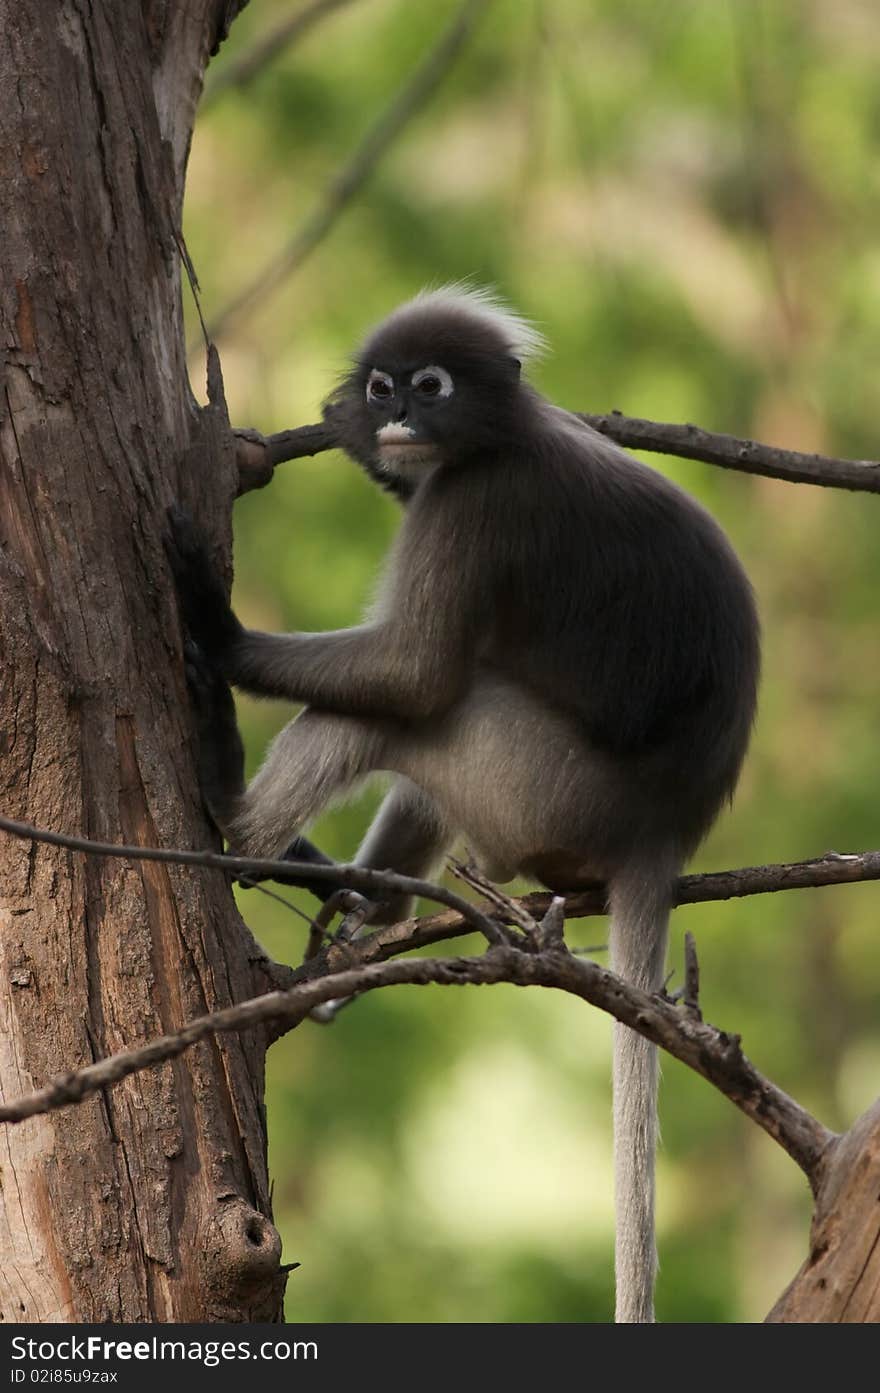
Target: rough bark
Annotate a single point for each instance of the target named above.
(840, 1280)
(150, 1203)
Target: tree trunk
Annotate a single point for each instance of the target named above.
(150, 1202)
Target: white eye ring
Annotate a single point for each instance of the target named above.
(384, 381)
(447, 387)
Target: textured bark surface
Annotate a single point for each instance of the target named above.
(150, 1202)
(840, 1280)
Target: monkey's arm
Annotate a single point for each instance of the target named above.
(369, 671)
(411, 665)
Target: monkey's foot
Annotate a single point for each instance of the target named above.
(301, 849)
(209, 691)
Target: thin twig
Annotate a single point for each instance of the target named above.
(265, 50)
(248, 884)
(344, 969)
(350, 179)
(360, 877)
(713, 1054)
(830, 869)
(687, 441)
(512, 910)
(193, 280)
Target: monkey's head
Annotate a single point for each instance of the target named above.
(436, 383)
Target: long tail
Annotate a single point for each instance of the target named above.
(640, 902)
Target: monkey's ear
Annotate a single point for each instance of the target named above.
(515, 366)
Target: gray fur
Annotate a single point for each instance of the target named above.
(562, 667)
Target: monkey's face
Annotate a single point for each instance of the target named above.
(407, 410)
(440, 411)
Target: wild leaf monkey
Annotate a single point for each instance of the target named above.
(561, 665)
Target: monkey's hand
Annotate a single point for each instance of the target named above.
(201, 594)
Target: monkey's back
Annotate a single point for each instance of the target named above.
(619, 600)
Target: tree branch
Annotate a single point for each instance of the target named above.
(830, 869)
(354, 174)
(463, 917)
(712, 1053)
(686, 441)
(358, 877)
(731, 452)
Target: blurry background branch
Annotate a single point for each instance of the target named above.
(349, 180)
(267, 48)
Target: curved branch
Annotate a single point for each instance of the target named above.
(686, 441)
(358, 877)
(712, 1053)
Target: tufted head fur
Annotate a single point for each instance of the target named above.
(458, 316)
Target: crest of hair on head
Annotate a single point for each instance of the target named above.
(523, 340)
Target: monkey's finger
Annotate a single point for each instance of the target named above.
(204, 678)
(201, 592)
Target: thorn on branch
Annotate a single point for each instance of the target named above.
(550, 933)
(691, 997)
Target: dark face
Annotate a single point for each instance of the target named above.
(428, 391)
(412, 412)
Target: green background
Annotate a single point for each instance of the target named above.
(684, 196)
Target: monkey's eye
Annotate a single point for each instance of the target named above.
(380, 386)
(432, 382)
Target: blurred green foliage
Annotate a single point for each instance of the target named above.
(685, 197)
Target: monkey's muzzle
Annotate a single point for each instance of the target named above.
(399, 444)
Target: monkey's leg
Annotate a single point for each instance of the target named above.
(409, 834)
(221, 763)
(311, 761)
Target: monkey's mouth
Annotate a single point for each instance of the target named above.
(417, 450)
(400, 445)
